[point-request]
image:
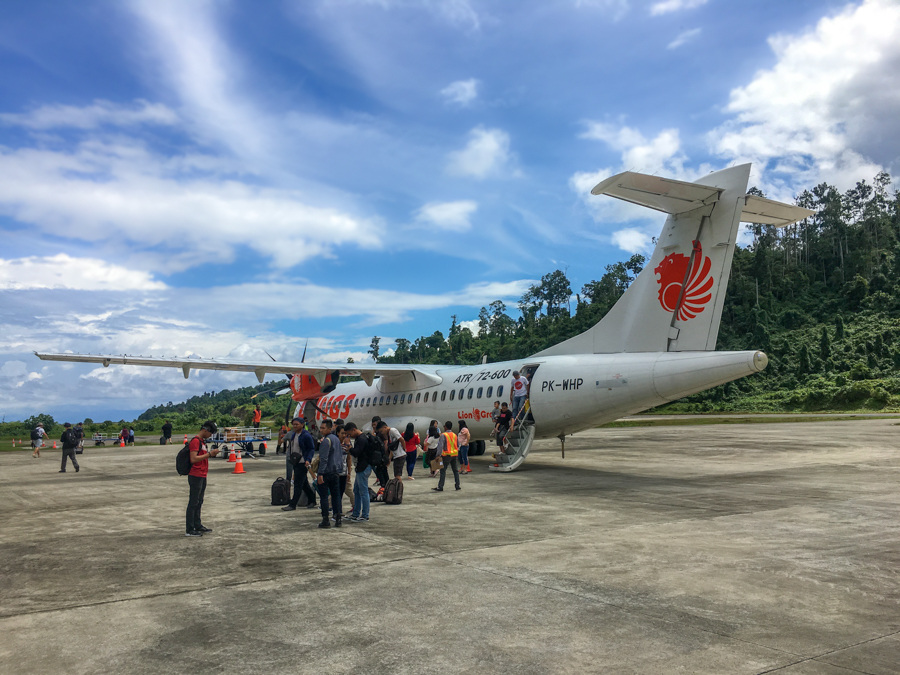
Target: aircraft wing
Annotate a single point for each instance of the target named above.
(259, 368)
(767, 212)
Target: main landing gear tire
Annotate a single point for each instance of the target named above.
(478, 449)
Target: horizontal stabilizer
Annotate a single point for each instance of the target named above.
(767, 212)
(661, 194)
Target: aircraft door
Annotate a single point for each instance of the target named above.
(528, 372)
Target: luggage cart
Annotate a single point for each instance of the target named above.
(244, 438)
(99, 439)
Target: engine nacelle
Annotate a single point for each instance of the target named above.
(305, 387)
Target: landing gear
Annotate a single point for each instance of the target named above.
(477, 448)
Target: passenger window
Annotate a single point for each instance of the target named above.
(402, 398)
(381, 401)
(490, 391)
(453, 394)
(395, 399)
(425, 398)
(471, 391)
(478, 395)
(462, 392)
(418, 396)
(500, 391)
(444, 395)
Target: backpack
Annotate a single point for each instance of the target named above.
(393, 493)
(183, 460)
(35, 435)
(69, 438)
(375, 452)
(281, 492)
(162, 440)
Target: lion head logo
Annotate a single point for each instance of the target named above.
(673, 273)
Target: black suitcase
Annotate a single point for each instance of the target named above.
(281, 492)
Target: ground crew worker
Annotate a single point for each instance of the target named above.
(197, 479)
(257, 417)
(449, 450)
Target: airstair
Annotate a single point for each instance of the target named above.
(517, 443)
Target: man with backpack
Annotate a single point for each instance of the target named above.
(365, 448)
(199, 459)
(299, 448)
(79, 432)
(69, 441)
(37, 440)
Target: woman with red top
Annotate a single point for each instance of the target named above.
(411, 441)
(197, 479)
(463, 439)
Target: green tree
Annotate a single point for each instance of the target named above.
(824, 344)
(838, 328)
(373, 348)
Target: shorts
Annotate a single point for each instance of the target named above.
(399, 463)
(35, 444)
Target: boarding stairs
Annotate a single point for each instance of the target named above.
(517, 443)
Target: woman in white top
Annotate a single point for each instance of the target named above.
(431, 445)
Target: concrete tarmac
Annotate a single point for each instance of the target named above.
(708, 549)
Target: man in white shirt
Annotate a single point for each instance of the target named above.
(518, 392)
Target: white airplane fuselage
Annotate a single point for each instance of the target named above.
(567, 394)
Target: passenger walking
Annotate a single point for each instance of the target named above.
(328, 473)
(448, 449)
(300, 448)
(463, 438)
(199, 455)
(380, 467)
(69, 441)
(518, 393)
(411, 442)
(131, 435)
(501, 428)
(431, 443)
(167, 432)
(37, 440)
(79, 432)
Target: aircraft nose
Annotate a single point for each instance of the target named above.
(760, 361)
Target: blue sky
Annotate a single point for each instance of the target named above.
(219, 178)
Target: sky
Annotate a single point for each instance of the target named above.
(220, 178)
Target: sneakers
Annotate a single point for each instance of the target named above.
(203, 529)
(437, 489)
(193, 533)
(325, 524)
(289, 508)
(77, 469)
(61, 471)
(458, 487)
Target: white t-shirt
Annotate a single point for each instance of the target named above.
(40, 432)
(520, 386)
(400, 451)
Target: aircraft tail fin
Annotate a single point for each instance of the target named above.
(675, 303)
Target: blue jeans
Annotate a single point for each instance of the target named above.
(410, 462)
(518, 402)
(464, 455)
(361, 493)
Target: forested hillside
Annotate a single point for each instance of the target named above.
(820, 297)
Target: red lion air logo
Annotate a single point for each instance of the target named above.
(672, 272)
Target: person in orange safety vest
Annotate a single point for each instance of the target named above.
(448, 448)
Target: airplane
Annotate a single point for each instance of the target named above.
(655, 345)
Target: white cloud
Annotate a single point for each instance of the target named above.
(684, 37)
(471, 325)
(631, 240)
(461, 92)
(669, 6)
(98, 114)
(656, 155)
(104, 191)
(616, 8)
(14, 369)
(63, 271)
(453, 216)
(486, 154)
(828, 108)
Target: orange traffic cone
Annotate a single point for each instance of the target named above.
(231, 458)
(122, 443)
(239, 467)
(185, 438)
(54, 445)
